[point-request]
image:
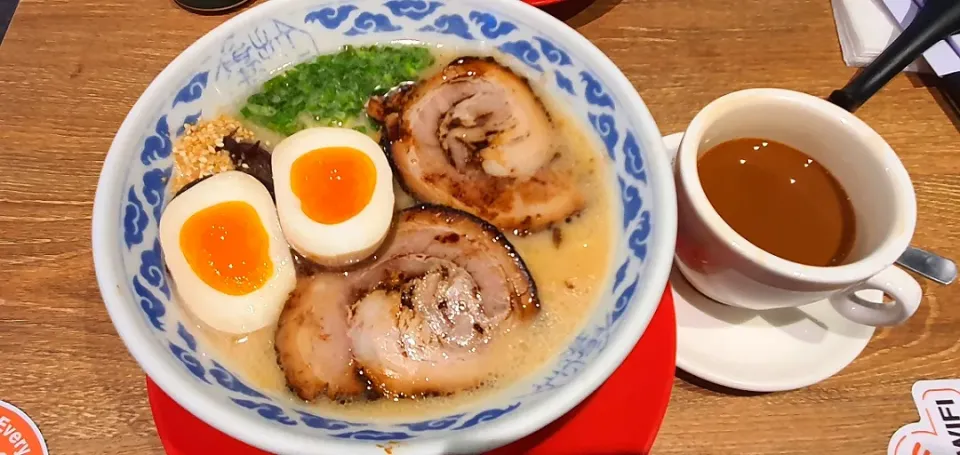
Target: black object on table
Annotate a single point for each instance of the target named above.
(210, 6)
(936, 20)
(7, 7)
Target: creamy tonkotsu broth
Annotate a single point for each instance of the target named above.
(569, 263)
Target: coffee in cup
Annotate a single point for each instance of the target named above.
(779, 199)
(785, 199)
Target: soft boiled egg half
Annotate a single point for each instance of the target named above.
(227, 257)
(334, 191)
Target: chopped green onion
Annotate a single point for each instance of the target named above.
(333, 89)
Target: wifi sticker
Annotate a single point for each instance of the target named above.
(938, 431)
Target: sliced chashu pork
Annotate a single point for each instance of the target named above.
(421, 316)
(311, 341)
(476, 137)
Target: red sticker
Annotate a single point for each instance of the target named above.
(18, 434)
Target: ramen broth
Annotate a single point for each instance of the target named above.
(569, 264)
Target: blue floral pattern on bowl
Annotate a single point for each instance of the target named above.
(242, 61)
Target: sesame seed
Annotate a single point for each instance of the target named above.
(195, 153)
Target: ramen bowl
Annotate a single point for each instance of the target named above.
(239, 55)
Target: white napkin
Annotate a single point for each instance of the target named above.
(865, 28)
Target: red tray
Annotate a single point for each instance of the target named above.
(639, 388)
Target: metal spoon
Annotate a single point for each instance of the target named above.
(929, 265)
(935, 20)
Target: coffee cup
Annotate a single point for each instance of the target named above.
(726, 267)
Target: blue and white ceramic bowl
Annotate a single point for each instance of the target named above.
(226, 65)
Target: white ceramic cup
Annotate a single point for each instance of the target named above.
(724, 266)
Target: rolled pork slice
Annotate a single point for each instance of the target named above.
(312, 345)
(450, 285)
(417, 320)
(476, 137)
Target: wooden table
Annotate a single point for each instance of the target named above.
(70, 70)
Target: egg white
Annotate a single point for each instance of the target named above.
(333, 244)
(235, 314)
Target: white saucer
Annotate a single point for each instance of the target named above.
(764, 351)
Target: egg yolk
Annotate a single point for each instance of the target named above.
(227, 246)
(334, 184)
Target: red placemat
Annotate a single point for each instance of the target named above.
(640, 389)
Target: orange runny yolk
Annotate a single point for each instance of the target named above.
(227, 246)
(333, 184)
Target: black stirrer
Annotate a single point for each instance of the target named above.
(935, 21)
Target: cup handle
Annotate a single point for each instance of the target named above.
(894, 282)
